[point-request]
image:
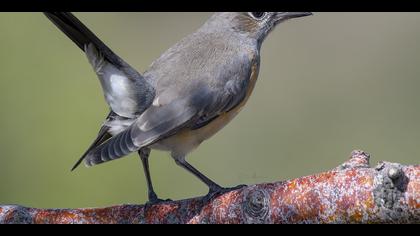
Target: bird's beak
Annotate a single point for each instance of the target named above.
(282, 16)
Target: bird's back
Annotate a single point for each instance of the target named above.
(202, 57)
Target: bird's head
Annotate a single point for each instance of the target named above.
(254, 24)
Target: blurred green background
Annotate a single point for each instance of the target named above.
(328, 84)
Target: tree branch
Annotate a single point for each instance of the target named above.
(350, 193)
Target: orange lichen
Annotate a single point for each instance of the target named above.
(414, 194)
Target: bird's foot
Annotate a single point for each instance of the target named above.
(157, 201)
(153, 200)
(217, 191)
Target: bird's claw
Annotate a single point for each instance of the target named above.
(217, 191)
(156, 201)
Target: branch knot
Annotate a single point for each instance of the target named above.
(256, 205)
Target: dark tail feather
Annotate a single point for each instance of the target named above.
(80, 34)
(73, 28)
(102, 137)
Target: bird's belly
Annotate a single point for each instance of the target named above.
(187, 139)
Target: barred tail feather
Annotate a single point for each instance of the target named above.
(116, 147)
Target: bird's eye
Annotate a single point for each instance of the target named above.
(257, 15)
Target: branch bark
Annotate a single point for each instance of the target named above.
(351, 193)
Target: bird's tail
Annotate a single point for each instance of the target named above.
(82, 36)
(74, 29)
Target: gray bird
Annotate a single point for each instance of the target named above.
(188, 94)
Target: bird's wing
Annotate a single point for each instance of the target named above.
(153, 124)
(201, 104)
(126, 91)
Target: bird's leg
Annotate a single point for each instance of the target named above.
(214, 189)
(144, 156)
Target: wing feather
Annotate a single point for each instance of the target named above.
(136, 136)
(126, 91)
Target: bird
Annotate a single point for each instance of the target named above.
(186, 95)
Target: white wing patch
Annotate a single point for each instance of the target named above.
(117, 87)
(117, 95)
(156, 102)
(118, 125)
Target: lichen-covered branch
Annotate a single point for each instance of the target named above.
(351, 193)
